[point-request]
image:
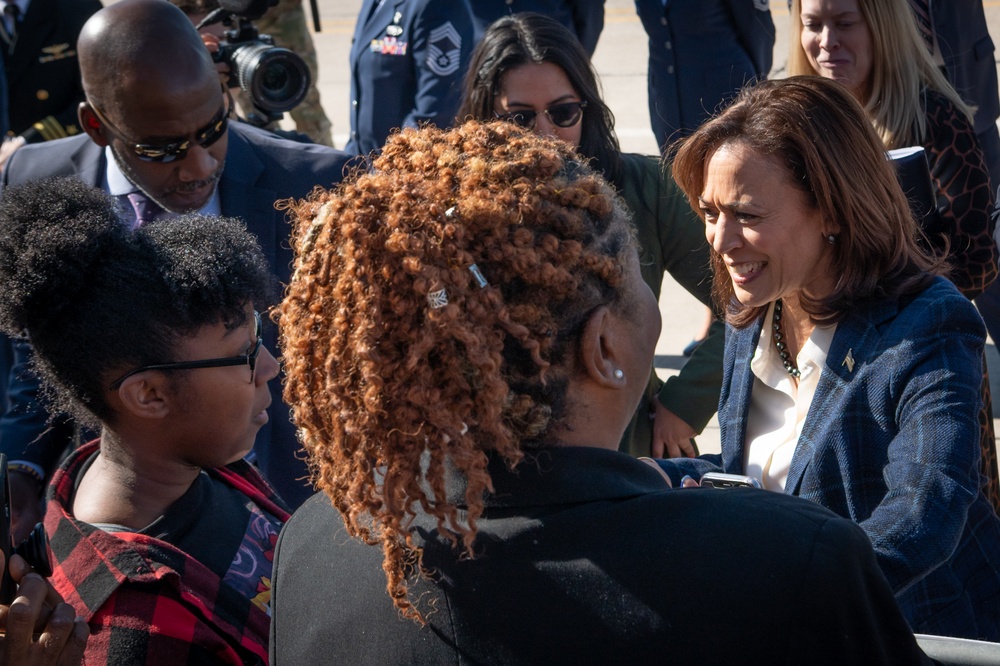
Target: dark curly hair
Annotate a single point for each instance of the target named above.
(527, 38)
(96, 299)
(391, 393)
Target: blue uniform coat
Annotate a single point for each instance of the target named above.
(408, 59)
(584, 18)
(701, 52)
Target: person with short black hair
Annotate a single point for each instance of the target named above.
(161, 534)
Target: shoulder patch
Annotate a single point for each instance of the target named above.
(444, 50)
(761, 5)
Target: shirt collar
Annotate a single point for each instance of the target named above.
(766, 364)
(118, 185)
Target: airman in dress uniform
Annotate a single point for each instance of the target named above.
(408, 59)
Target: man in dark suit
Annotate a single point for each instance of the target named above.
(701, 52)
(408, 59)
(584, 18)
(40, 61)
(158, 137)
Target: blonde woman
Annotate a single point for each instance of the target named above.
(873, 47)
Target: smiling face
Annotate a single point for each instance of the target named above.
(536, 87)
(220, 409)
(838, 43)
(773, 242)
(157, 115)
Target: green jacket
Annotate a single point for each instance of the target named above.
(672, 239)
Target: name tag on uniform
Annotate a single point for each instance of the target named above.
(388, 46)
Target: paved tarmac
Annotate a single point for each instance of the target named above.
(620, 60)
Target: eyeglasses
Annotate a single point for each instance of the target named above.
(250, 359)
(173, 150)
(565, 114)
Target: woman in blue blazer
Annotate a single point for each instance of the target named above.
(852, 369)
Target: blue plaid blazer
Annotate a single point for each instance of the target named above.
(893, 444)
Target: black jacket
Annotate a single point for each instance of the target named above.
(585, 556)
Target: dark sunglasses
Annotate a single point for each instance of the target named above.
(250, 359)
(565, 114)
(173, 150)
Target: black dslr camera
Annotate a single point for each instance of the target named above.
(276, 79)
(34, 549)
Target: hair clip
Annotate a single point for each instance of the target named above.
(478, 274)
(437, 299)
(450, 213)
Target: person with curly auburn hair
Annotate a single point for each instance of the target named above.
(528, 69)
(853, 368)
(466, 337)
(161, 534)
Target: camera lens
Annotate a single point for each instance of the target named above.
(275, 78)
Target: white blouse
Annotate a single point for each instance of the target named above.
(778, 406)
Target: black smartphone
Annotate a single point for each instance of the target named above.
(720, 480)
(7, 587)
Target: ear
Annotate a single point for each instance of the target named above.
(145, 395)
(91, 124)
(599, 349)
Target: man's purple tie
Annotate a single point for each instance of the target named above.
(146, 210)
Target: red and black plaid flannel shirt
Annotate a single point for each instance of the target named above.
(146, 601)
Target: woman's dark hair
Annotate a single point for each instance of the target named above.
(97, 299)
(529, 38)
(815, 129)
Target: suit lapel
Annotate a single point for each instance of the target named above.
(856, 338)
(734, 428)
(89, 164)
(242, 197)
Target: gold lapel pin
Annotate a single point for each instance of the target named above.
(849, 361)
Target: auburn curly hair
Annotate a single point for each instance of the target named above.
(391, 392)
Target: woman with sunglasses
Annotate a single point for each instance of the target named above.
(530, 70)
(161, 534)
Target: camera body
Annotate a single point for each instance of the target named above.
(275, 79)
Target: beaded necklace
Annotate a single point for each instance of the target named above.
(779, 343)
